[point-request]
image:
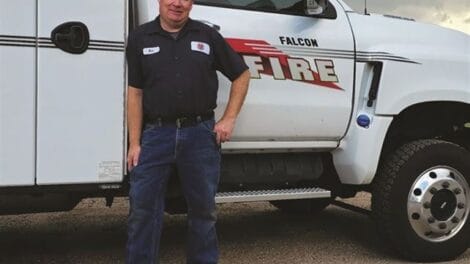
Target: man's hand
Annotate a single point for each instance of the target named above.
(238, 90)
(134, 121)
(133, 157)
(224, 129)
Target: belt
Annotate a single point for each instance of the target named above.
(181, 121)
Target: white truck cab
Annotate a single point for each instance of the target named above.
(339, 102)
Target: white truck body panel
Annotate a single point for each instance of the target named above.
(17, 93)
(55, 127)
(358, 154)
(442, 56)
(72, 89)
(411, 74)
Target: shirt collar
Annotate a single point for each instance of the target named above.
(156, 27)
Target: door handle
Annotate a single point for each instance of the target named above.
(72, 37)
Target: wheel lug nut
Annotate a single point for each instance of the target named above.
(433, 175)
(457, 191)
(442, 226)
(461, 205)
(445, 185)
(427, 205)
(415, 216)
(455, 220)
(417, 192)
(431, 220)
(433, 190)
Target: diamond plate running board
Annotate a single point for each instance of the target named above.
(271, 195)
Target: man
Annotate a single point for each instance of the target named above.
(172, 64)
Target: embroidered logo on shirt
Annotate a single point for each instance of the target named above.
(151, 50)
(201, 47)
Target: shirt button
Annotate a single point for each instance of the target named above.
(178, 74)
(176, 57)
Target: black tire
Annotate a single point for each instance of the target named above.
(393, 204)
(303, 206)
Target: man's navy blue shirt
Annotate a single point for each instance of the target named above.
(178, 76)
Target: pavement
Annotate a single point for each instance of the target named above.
(248, 233)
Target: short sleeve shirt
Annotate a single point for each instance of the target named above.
(178, 76)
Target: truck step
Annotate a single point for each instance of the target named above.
(271, 195)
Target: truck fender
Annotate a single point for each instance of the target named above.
(357, 157)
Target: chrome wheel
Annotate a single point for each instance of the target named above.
(438, 203)
(421, 200)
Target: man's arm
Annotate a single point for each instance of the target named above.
(238, 90)
(134, 122)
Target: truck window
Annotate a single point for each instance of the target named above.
(290, 7)
(282, 6)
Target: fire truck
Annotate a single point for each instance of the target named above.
(339, 102)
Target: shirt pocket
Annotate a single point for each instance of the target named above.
(201, 54)
(153, 65)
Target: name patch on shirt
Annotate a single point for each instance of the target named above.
(201, 47)
(151, 50)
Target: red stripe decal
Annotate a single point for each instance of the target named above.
(261, 47)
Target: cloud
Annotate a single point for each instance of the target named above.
(443, 17)
(453, 14)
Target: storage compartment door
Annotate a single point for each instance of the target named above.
(81, 89)
(17, 92)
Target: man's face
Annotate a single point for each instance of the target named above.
(175, 11)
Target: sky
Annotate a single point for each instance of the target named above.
(453, 14)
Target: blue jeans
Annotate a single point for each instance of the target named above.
(195, 154)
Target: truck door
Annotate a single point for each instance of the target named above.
(301, 68)
(17, 92)
(80, 91)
